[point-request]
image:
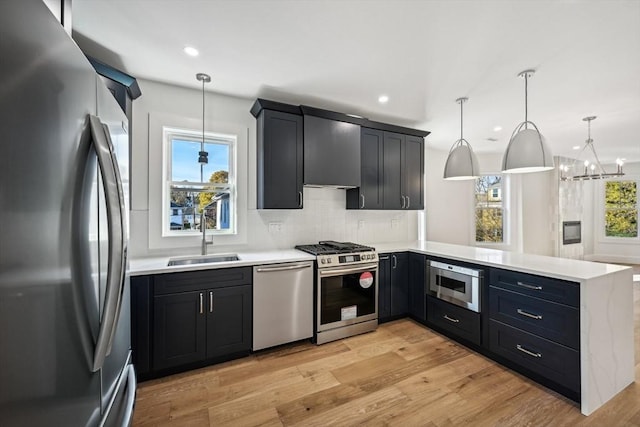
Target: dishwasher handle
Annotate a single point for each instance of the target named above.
(282, 268)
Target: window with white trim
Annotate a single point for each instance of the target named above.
(621, 209)
(196, 193)
(489, 209)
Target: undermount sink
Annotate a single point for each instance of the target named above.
(203, 259)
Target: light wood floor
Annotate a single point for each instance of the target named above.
(402, 374)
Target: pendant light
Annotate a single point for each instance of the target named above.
(203, 156)
(593, 170)
(527, 150)
(461, 161)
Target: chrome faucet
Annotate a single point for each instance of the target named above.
(203, 226)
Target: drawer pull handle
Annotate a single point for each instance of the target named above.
(530, 353)
(201, 304)
(528, 286)
(533, 316)
(210, 302)
(451, 319)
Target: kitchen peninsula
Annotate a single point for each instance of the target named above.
(606, 344)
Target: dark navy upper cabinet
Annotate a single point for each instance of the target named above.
(280, 155)
(403, 171)
(392, 171)
(369, 195)
(413, 172)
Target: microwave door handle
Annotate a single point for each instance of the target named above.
(115, 232)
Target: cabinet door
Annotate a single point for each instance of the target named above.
(229, 320)
(413, 172)
(384, 286)
(279, 160)
(392, 171)
(417, 286)
(399, 283)
(371, 182)
(179, 329)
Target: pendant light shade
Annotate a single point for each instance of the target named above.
(462, 162)
(527, 150)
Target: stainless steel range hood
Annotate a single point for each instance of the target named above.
(331, 149)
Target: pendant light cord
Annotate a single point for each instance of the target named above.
(526, 100)
(202, 143)
(461, 102)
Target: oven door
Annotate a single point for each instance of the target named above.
(456, 288)
(346, 295)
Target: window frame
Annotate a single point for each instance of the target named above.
(231, 140)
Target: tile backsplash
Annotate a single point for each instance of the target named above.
(324, 217)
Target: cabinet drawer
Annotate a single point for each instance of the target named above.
(457, 320)
(203, 279)
(553, 361)
(556, 322)
(555, 290)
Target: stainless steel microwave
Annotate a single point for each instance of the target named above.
(455, 284)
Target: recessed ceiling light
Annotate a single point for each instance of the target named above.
(577, 147)
(492, 139)
(497, 128)
(191, 51)
(383, 99)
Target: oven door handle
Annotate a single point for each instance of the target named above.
(359, 269)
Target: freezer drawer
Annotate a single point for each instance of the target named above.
(282, 304)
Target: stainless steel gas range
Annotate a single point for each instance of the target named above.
(345, 289)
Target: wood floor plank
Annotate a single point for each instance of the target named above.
(267, 396)
(359, 411)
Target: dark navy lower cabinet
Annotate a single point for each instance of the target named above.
(456, 320)
(417, 286)
(534, 326)
(191, 319)
(551, 360)
(393, 286)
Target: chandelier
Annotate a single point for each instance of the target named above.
(592, 170)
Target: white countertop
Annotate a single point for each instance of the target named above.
(157, 265)
(560, 268)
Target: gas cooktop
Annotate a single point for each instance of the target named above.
(330, 247)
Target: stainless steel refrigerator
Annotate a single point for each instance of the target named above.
(65, 357)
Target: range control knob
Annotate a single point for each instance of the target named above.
(328, 260)
(322, 260)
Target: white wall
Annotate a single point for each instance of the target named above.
(324, 215)
(529, 198)
(448, 204)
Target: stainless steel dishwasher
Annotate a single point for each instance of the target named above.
(282, 303)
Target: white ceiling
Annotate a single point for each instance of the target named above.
(342, 55)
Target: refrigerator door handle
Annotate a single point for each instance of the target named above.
(123, 228)
(116, 259)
